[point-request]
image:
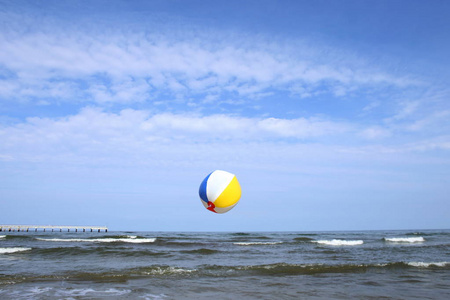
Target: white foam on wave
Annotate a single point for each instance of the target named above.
(405, 240)
(421, 264)
(256, 243)
(103, 240)
(68, 293)
(91, 292)
(13, 250)
(339, 242)
(2, 236)
(39, 290)
(168, 271)
(154, 297)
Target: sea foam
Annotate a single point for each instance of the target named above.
(168, 271)
(91, 292)
(103, 240)
(421, 264)
(405, 240)
(86, 292)
(256, 243)
(2, 236)
(340, 242)
(13, 250)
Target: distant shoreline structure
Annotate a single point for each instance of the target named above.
(60, 228)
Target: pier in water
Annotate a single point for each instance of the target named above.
(60, 228)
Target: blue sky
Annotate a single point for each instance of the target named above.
(334, 115)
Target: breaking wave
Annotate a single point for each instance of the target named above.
(339, 242)
(305, 269)
(256, 243)
(405, 240)
(133, 240)
(165, 271)
(13, 250)
(420, 264)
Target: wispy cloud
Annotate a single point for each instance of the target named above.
(133, 67)
(95, 134)
(93, 130)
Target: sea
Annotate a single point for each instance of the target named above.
(408, 264)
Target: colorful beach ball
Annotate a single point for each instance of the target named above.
(220, 191)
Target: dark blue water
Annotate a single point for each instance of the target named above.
(256, 265)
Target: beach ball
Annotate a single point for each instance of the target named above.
(220, 191)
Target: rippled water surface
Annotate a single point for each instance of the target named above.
(256, 265)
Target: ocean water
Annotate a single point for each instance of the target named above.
(412, 264)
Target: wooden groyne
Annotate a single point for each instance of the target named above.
(60, 228)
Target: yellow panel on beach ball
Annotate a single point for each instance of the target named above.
(220, 191)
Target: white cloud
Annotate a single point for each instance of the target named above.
(407, 108)
(157, 64)
(375, 132)
(437, 143)
(436, 120)
(125, 90)
(371, 106)
(93, 123)
(131, 137)
(136, 137)
(302, 128)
